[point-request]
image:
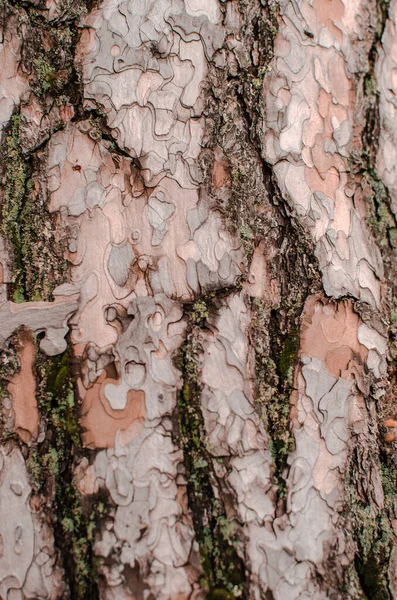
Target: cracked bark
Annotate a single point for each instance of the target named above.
(198, 314)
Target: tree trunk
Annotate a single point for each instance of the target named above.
(198, 287)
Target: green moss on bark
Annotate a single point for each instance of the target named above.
(48, 58)
(37, 257)
(15, 188)
(51, 464)
(274, 367)
(372, 532)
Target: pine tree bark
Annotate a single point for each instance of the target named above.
(198, 317)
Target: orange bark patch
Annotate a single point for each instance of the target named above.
(390, 423)
(329, 332)
(22, 389)
(260, 283)
(66, 113)
(328, 9)
(220, 175)
(101, 422)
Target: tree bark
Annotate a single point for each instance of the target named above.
(198, 287)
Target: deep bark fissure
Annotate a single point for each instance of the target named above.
(17, 173)
(220, 549)
(371, 524)
(51, 464)
(254, 185)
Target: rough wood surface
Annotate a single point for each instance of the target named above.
(198, 299)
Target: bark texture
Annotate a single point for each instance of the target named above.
(198, 299)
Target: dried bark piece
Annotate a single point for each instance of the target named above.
(386, 82)
(330, 333)
(27, 557)
(154, 80)
(313, 125)
(136, 245)
(22, 389)
(234, 432)
(260, 283)
(144, 381)
(48, 317)
(141, 466)
(102, 422)
(150, 521)
(13, 86)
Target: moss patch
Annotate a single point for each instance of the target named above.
(38, 264)
(15, 188)
(273, 368)
(9, 366)
(371, 531)
(51, 466)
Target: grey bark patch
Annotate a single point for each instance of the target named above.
(119, 263)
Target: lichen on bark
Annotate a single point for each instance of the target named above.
(51, 463)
